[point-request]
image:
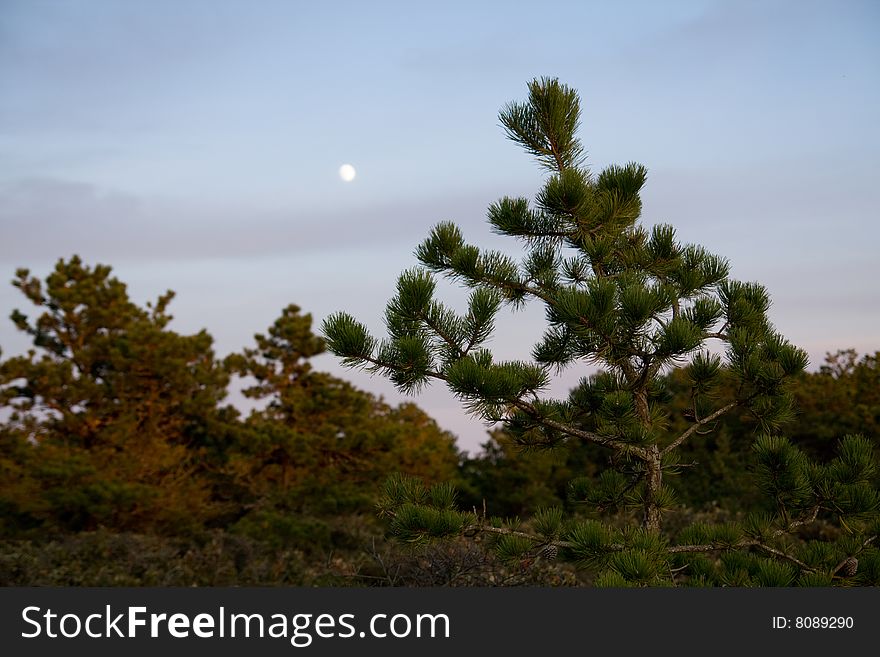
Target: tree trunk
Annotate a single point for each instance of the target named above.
(653, 473)
(653, 481)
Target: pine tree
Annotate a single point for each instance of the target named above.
(636, 302)
(111, 419)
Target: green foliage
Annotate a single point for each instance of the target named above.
(512, 548)
(114, 421)
(854, 463)
(774, 573)
(869, 568)
(545, 126)
(285, 530)
(704, 373)
(842, 398)
(820, 555)
(635, 567)
(418, 512)
(400, 489)
(815, 580)
(611, 579)
(782, 472)
(549, 523)
(589, 541)
(414, 523)
(102, 558)
(114, 418)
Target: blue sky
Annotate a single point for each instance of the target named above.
(195, 146)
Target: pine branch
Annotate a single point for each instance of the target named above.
(442, 334)
(525, 289)
(779, 553)
(588, 436)
(745, 543)
(473, 341)
(504, 531)
(481, 527)
(541, 542)
(805, 520)
(504, 286)
(389, 366)
(554, 234)
(694, 427)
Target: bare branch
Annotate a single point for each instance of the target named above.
(783, 555)
(745, 543)
(694, 427)
(588, 436)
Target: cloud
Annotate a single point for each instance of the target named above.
(44, 216)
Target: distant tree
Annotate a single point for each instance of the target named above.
(111, 419)
(319, 444)
(842, 397)
(636, 302)
(511, 484)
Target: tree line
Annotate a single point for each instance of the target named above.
(123, 462)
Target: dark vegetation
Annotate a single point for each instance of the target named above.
(123, 463)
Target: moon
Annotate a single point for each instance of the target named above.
(347, 172)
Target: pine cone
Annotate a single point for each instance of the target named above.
(849, 567)
(550, 552)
